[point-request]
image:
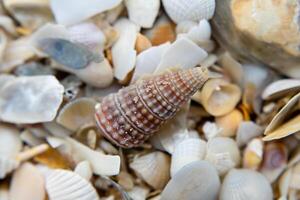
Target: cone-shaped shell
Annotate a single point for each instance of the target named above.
(132, 115)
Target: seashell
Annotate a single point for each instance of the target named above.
(123, 53)
(10, 142)
(33, 91)
(139, 193)
(143, 13)
(33, 69)
(218, 96)
(281, 88)
(84, 170)
(187, 151)
(63, 184)
(211, 130)
(197, 180)
(223, 153)
(70, 12)
(253, 154)
(243, 184)
(274, 161)
(229, 123)
(32, 152)
(56, 130)
(185, 26)
(163, 31)
(30, 14)
(200, 33)
(21, 188)
(131, 116)
(142, 43)
(7, 165)
(77, 113)
(247, 130)
(194, 10)
(153, 168)
(187, 53)
(284, 183)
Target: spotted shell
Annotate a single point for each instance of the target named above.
(136, 112)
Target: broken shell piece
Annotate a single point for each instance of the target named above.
(153, 168)
(139, 193)
(142, 43)
(10, 142)
(123, 53)
(7, 165)
(77, 113)
(218, 96)
(187, 151)
(281, 88)
(223, 153)
(41, 97)
(197, 180)
(241, 184)
(63, 184)
(69, 12)
(253, 154)
(21, 188)
(185, 26)
(229, 123)
(194, 10)
(200, 33)
(56, 130)
(211, 130)
(126, 180)
(84, 170)
(247, 130)
(143, 13)
(163, 31)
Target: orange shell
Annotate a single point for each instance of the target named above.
(128, 118)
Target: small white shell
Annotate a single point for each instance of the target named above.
(10, 142)
(7, 165)
(153, 168)
(194, 10)
(244, 184)
(187, 151)
(143, 13)
(197, 180)
(223, 153)
(280, 88)
(63, 184)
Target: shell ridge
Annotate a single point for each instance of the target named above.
(160, 93)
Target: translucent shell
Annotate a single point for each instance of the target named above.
(132, 115)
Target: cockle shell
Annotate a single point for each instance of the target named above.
(63, 184)
(187, 151)
(132, 115)
(194, 10)
(245, 184)
(153, 168)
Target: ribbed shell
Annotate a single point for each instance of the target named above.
(7, 165)
(67, 185)
(132, 115)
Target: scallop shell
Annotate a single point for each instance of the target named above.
(153, 168)
(245, 184)
(281, 88)
(132, 115)
(197, 180)
(7, 165)
(63, 184)
(187, 151)
(194, 10)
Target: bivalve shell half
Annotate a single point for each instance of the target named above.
(153, 168)
(281, 88)
(245, 184)
(187, 151)
(198, 180)
(63, 184)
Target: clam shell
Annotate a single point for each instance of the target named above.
(187, 151)
(194, 10)
(281, 88)
(10, 142)
(153, 168)
(7, 165)
(229, 123)
(63, 184)
(129, 117)
(197, 180)
(143, 13)
(244, 184)
(247, 130)
(223, 153)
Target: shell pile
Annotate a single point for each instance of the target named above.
(149, 100)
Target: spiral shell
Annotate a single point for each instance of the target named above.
(132, 115)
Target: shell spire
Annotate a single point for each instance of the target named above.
(131, 116)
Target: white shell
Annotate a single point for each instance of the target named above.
(153, 168)
(123, 52)
(143, 13)
(211, 130)
(69, 12)
(200, 33)
(7, 165)
(187, 151)
(63, 184)
(247, 130)
(198, 180)
(10, 142)
(41, 97)
(27, 183)
(223, 153)
(185, 26)
(280, 88)
(139, 193)
(84, 170)
(194, 10)
(244, 184)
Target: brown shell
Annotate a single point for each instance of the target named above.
(132, 115)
